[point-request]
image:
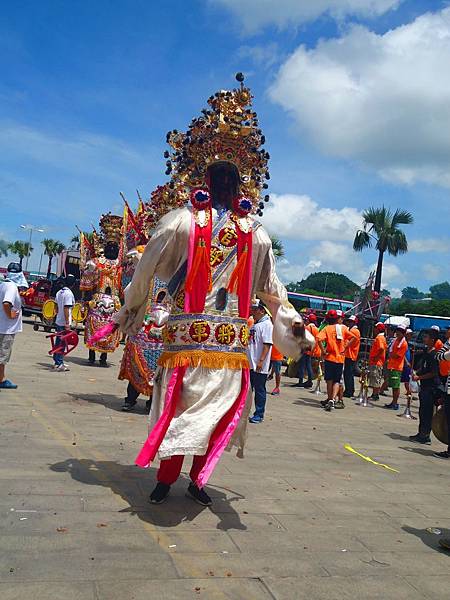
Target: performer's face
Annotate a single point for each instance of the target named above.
(111, 250)
(223, 184)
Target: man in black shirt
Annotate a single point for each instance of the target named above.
(428, 376)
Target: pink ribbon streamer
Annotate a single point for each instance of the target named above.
(223, 432)
(102, 333)
(156, 436)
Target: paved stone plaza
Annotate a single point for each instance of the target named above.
(299, 517)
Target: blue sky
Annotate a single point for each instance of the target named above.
(89, 90)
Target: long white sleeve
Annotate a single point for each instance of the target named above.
(272, 292)
(163, 255)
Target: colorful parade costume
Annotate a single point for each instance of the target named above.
(101, 283)
(215, 259)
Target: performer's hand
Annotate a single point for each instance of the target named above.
(14, 313)
(259, 366)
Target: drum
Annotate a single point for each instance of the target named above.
(79, 312)
(49, 310)
(439, 425)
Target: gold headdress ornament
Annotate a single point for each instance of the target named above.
(111, 228)
(225, 132)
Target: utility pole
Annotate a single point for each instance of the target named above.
(30, 228)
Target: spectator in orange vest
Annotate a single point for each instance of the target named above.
(351, 356)
(276, 360)
(305, 360)
(377, 357)
(444, 365)
(333, 341)
(395, 364)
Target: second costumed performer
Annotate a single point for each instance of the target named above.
(215, 257)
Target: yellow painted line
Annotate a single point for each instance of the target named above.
(368, 459)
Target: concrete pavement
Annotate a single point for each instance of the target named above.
(299, 517)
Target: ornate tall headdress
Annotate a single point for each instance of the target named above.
(227, 131)
(111, 228)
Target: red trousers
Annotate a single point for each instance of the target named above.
(170, 468)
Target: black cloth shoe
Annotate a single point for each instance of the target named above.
(299, 384)
(198, 495)
(308, 384)
(324, 402)
(339, 404)
(160, 493)
(329, 406)
(148, 406)
(128, 405)
(420, 439)
(445, 454)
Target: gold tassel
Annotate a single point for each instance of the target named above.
(203, 358)
(238, 273)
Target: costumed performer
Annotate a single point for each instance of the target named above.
(215, 256)
(100, 283)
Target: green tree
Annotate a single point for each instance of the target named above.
(74, 242)
(20, 249)
(381, 226)
(277, 247)
(412, 293)
(440, 291)
(51, 249)
(3, 248)
(325, 284)
(384, 293)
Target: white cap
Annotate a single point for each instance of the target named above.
(435, 327)
(409, 330)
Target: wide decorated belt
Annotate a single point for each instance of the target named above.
(211, 341)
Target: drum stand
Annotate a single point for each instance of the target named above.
(407, 412)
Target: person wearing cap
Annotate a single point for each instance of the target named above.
(439, 343)
(258, 352)
(333, 341)
(428, 375)
(377, 358)
(396, 361)
(64, 300)
(351, 356)
(10, 325)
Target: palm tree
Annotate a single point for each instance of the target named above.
(277, 247)
(21, 249)
(74, 242)
(381, 226)
(52, 248)
(4, 248)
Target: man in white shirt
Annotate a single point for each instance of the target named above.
(258, 352)
(10, 324)
(65, 301)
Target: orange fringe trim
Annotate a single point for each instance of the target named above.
(205, 359)
(238, 273)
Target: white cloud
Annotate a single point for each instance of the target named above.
(257, 14)
(300, 218)
(379, 99)
(429, 245)
(431, 272)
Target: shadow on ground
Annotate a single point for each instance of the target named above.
(429, 538)
(398, 436)
(417, 450)
(125, 481)
(109, 401)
